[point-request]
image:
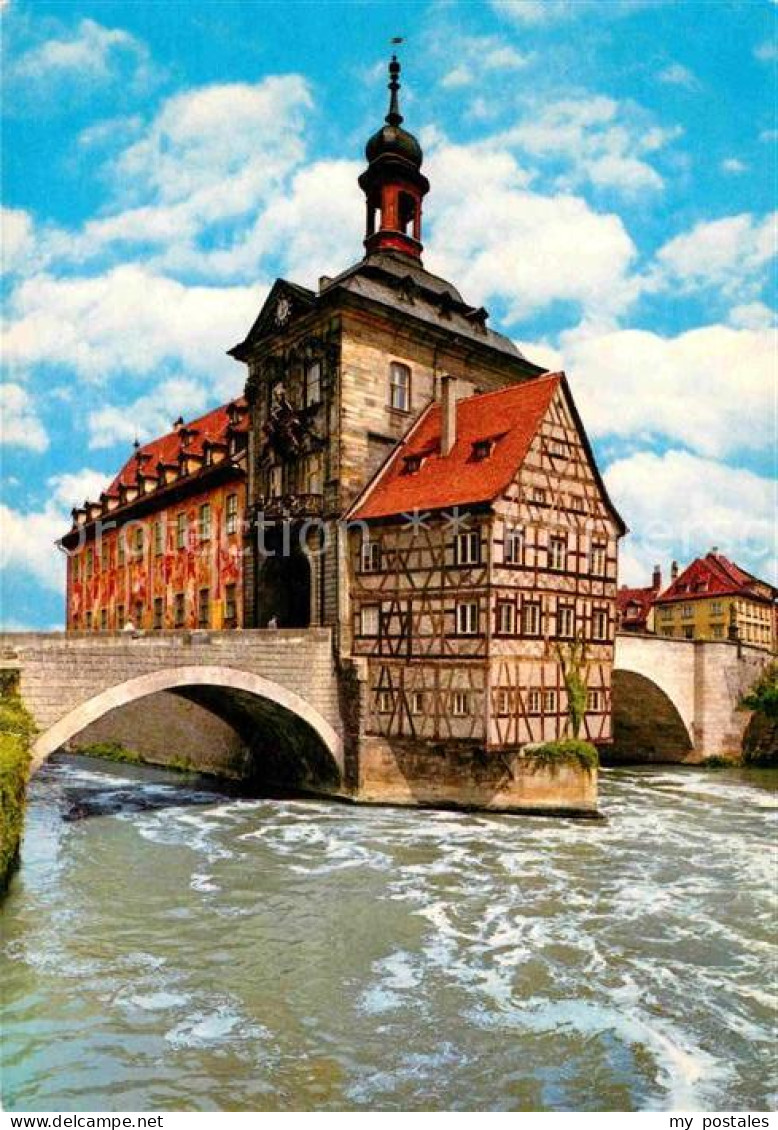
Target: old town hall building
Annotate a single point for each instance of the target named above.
(396, 470)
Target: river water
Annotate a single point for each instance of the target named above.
(198, 951)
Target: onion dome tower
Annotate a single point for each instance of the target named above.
(393, 183)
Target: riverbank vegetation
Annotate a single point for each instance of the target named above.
(16, 731)
(571, 751)
(760, 745)
(115, 751)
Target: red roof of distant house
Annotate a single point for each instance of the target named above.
(508, 418)
(637, 602)
(714, 575)
(213, 427)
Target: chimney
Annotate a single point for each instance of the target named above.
(656, 580)
(674, 571)
(448, 413)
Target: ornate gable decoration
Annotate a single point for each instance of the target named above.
(285, 303)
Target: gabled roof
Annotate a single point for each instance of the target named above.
(715, 575)
(508, 418)
(300, 300)
(212, 428)
(640, 600)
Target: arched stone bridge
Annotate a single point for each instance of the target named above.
(280, 684)
(676, 699)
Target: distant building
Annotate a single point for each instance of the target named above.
(162, 547)
(714, 599)
(635, 606)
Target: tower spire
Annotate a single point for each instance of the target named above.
(394, 117)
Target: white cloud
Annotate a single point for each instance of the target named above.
(538, 12)
(128, 321)
(680, 505)
(733, 166)
(16, 238)
(598, 140)
(752, 315)
(769, 136)
(676, 74)
(729, 254)
(709, 389)
(77, 60)
(500, 240)
(147, 416)
(766, 52)
(19, 422)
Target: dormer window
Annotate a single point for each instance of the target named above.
(482, 449)
(413, 464)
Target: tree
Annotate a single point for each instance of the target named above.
(575, 670)
(763, 696)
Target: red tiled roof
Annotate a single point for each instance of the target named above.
(712, 575)
(213, 427)
(509, 417)
(643, 598)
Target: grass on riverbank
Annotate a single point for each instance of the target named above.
(115, 751)
(572, 751)
(16, 731)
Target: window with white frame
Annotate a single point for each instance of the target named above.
(506, 618)
(598, 558)
(530, 618)
(514, 545)
(467, 619)
(369, 620)
(687, 611)
(539, 495)
(599, 624)
(313, 383)
(205, 522)
(370, 556)
(549, 702)
(159, 539)
(385, 702)
(468, 548)
(504, 702)
(534, 701)
(399, 387)
(557, 553)
(418, 702)
(181, 531)
(232, 514)
(565, 621)
(460, 704)
(594, 700)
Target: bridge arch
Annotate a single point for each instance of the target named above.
(648, 723)
(242, 697)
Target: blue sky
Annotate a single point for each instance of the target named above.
(603, 174)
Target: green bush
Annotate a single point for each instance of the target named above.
(571, 751)
(16, 731)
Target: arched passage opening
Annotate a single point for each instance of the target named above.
(646, 723)
(284, 583)
(288, 744)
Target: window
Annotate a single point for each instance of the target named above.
(275, 481)
(718, 631)
(531, 619)
(468, 548)
(385, 702)
(667, 613)
(205, 522)
(418, 702)
(716, 608)
(549, 702)
(89, 621)
(159, 612)
(413, 464)
(539, 495)
(121, 618)
(514, 545)
(599, 624)
(230, 606)
(399, 387)
(90, 563)
(313, 384)
(74, 567)
(138, 542)
(565, 621)
(104, 559)
(181, 531)
(506, 618)
(313, 476)
(159, 539)
(467, 619)
(179, 610)
(138, 613)
(482, 449)
(460, 704)
(121, 548)
(103, 619)
(598, 559)
(689, 633)
(204, 608)
(232, 513)
(687, 611)
(557, 553)
(504, 703)
(371, 556)
(558, 448)
(533, 702)
(369, 620)
(594, 701)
